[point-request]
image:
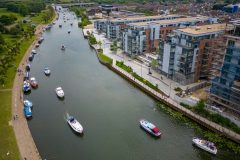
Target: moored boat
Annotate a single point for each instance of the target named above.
(27, 103)
(33, 82)
(27, 111)
(26, 87)
(28, 67)
(30, 58)
(205, 145)
(34, 51)
(59, 92)
(75, 125)
(150, 128)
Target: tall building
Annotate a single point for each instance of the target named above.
(184, 56)
(113, 27)
(145, 36)
(225, 89)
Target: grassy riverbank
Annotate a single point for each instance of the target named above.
(221, 142)
(13, 47)
(8, 142)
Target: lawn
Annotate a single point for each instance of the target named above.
(12, 70)
(105, 58)
(4, 11)
(7, 142)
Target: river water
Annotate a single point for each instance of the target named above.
(108, 107)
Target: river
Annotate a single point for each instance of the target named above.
(108, 107)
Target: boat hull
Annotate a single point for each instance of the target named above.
(144, 127)
(73, 128)
(196, 142)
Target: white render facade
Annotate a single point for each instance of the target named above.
(145, 36)
(114, 27)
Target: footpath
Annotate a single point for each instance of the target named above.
(25, 142)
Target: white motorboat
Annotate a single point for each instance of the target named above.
(75, 125)
(47, 71)
(33, 82)
(28, 103)
(150, 128)
(205, 145)
(59, 92)
(34, 51)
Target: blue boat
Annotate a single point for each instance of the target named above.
(26, 87)
(27, 103)
(27, 111)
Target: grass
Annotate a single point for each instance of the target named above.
(12, 70)
(37, 19)
(105, 58)
(4, 11)
(135, 75)
(7, 142)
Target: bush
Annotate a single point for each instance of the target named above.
(105, 59)
(123, 66)
(178, 89)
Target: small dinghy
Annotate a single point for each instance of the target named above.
(75, 125)
(150, 128)
(205, 145)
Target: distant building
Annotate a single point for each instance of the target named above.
(184, 56)
(107, 9)
(225, 89)
(143, 37)
(232, 8)
(113, 27)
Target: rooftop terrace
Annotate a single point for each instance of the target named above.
(205, 29)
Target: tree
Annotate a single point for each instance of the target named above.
(154, 63)
(100, 44)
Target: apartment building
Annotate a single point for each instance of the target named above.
(184, 56)
(225, 89)
(145, 36)
(114, 27)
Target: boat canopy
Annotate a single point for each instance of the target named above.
(156, 130)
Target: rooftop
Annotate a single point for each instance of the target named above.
(205, 29)
(142, 17)
(172, 21)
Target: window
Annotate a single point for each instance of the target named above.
(231, 43)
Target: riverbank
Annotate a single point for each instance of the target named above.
(170, 102)
(25, 142)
